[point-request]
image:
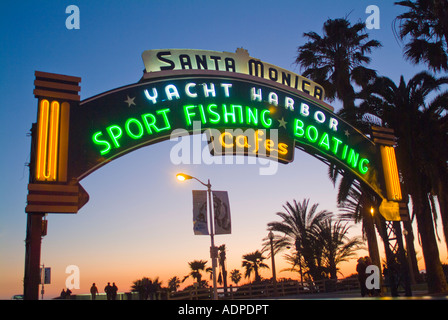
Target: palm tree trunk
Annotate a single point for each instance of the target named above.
(442, 198)
(410, 253)
(372, 243)
(434, 272)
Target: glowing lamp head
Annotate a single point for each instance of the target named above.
(183, 176)
(372, 211)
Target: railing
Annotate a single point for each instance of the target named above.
(248, 291)
(267, 289)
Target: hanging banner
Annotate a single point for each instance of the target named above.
(221, 212)
(200, 212)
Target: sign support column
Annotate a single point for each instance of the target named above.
(48, 164)
(394, 211)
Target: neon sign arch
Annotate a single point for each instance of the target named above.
(245, 105)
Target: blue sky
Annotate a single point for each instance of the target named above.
(138, 220)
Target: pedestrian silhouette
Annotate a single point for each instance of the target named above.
(361, 269)
(93, 291)
(67, 293)
(114, 291)
(108, 290)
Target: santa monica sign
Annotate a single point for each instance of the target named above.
(244, 105)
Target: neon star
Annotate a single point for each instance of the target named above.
(282, 123)
(130, 101)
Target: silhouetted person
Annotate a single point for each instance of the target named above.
(114, 291)
(368, 262)
(93, 291)
(361, 269)
(67, 293)
(63, 294)
(108, 290)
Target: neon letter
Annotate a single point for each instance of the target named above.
(171, 91)
(304, 109)
(255, 96)
(115, 133)
(96, 140)
(298, 131)
(265, 122)
(153, 98)
(188, 92)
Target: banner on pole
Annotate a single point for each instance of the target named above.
(221, 211)
(200, 212)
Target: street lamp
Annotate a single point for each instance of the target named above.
(274, 280)
(213, 249)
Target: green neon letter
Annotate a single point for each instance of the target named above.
(363, 168)
(336, 145)
(325, 141)
(216, 115)
(227, 114)
(189, 114)
(308, 133)
(353, 158)
(234, 106)
(265, 122)
(251, 115)
(139, 126)
(149, 125)
(163, 112)
(96, 140)
(115, 133)
(298, 131)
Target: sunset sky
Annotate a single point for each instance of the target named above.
(138, 222)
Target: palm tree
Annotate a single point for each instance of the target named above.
(222, 264)
(299, 227)
(297, 265)
(337, 58)
(337, 61)
(426, 23)
(146, 287)
(235, 276)
(196, 267)
(174, 284)
(337, 247)
(404, 108)
(254, 262)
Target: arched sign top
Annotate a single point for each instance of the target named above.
(243, 112)
(239, 62)
(119, 121)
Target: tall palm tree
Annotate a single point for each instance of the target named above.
(338, 58)
(426, 23)
(299, 227)
(337, 61)
(253, 262)
(404, 108)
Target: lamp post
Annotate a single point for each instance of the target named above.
(213, 249)
(274, 280)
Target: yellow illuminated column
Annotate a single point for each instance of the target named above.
(391, 177)
(52, 141)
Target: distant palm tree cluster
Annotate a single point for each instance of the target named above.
(416, 109)
(320, 242)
